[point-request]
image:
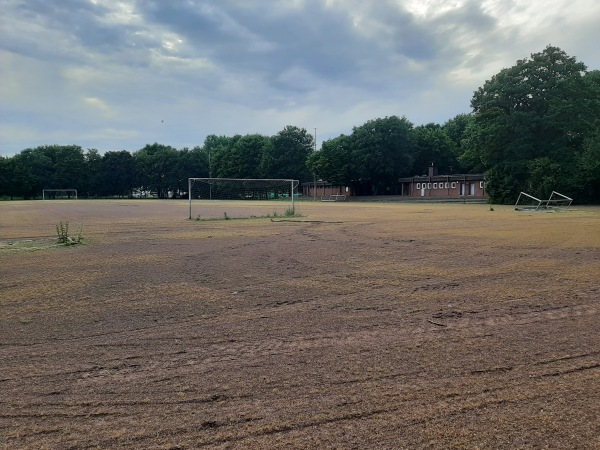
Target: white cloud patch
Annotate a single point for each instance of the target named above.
(97, 106)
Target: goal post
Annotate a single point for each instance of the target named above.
(59, 194)
(241, 197)
(559, 201)
(526, 202)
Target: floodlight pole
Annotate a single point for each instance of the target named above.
(292, 186)
(209, 175)
(314, 174)
(190, 195)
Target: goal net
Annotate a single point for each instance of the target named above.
(228, 198)
(56, 194)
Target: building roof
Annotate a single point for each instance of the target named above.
(454, 177)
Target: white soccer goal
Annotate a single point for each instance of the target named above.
(557, 201)
(56, 194)
(229, 198)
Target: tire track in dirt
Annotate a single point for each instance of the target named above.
(425, 412)
(455, 320)
(232, 350)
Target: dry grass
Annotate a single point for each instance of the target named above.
(364, 325)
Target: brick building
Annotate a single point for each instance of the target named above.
(444, 186)
(324, 190)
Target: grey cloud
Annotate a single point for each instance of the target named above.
(76, 17)
(262, 61)
(75, 25)
(320, 40)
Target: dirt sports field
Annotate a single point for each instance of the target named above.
(355, 326)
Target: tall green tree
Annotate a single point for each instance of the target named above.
(383, 150)
(217, 150)
(244, 157)
(287, 155)
(92, 184)
(588, 167)
(5, 176)
(48, 167)
(68, 166)
(190, 164)
(334, 161)
(531, 117)
(156, 169)
(117, 174)
(588, 173)
(434, 147)
(456, 129)
(32, 172)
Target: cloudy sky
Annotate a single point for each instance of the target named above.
(115, 75)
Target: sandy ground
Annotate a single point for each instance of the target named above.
(355, 326)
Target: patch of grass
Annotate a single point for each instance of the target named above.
(286, 214)
(28, 245)
(289, 212)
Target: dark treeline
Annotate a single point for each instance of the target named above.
(159, 169)
(535, 127)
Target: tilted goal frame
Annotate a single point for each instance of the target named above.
(556, 201)
(248, 182)
(559, 201)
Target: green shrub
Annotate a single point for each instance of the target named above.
(62, 231)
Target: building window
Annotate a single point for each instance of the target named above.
(453, 185)
(446, 185)
(435, 185)
(428, 185)
(481, 185)
(418, 185)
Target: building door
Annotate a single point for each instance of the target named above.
(472, 189)
(462, 189)
(422, 191)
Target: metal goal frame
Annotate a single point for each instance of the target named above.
(74, 191)
(555, 201)
(293, 185)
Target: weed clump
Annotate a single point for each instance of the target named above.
(64, 238)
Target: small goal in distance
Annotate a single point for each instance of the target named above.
(212, 198)
(56, 194)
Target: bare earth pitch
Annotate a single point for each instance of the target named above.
(358, 325)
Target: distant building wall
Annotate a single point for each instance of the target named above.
(322, 189)
(448, 186)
